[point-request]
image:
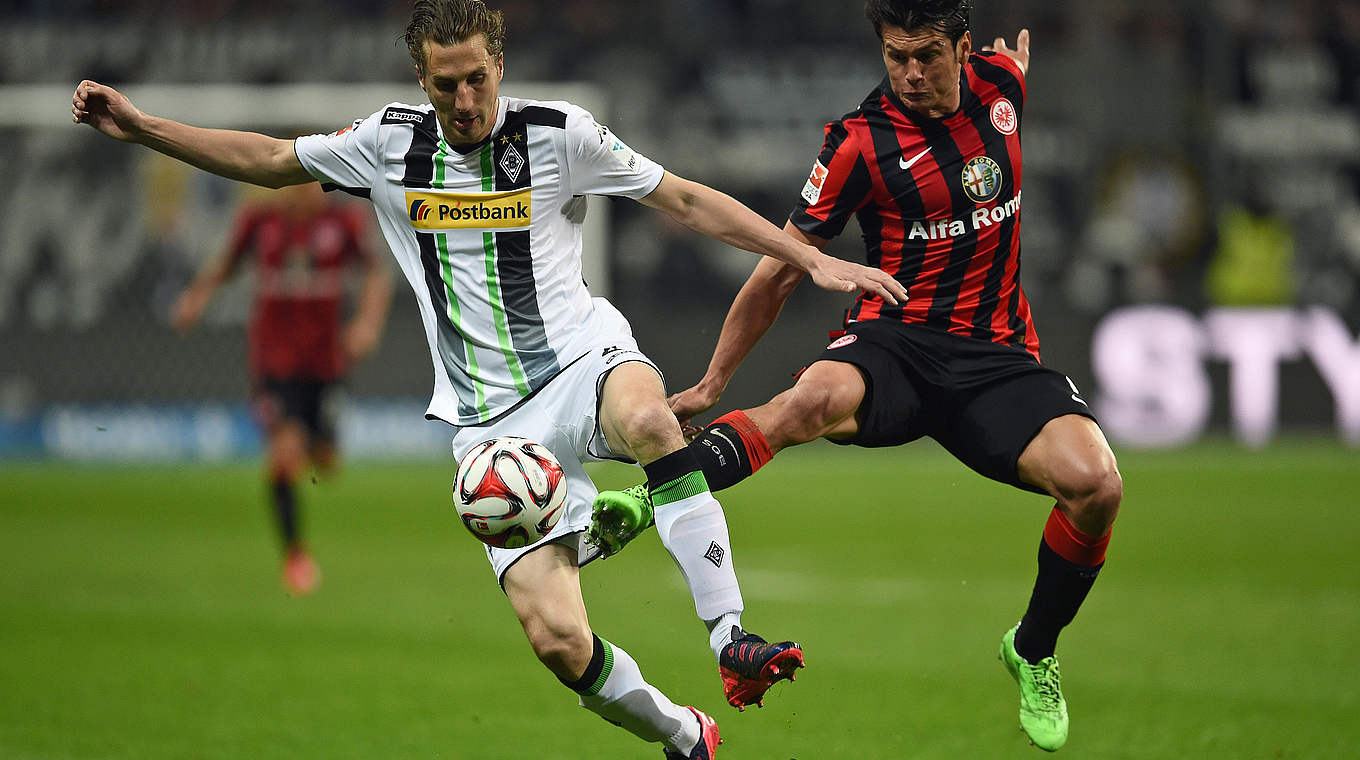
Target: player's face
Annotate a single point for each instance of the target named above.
(462, 81)
(923, 68)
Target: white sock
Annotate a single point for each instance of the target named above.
(720, 631)
(694, 531)
(621, 696)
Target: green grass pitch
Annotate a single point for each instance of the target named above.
(141, 617)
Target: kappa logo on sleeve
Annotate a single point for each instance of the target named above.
(812, 191)
(402, 116)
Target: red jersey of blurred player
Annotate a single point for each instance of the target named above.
(303, 247)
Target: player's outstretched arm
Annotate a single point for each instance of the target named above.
(1020, 53)
(753, 311)
(722, 217)
(375, 296)
(245, 156)
(189, 306)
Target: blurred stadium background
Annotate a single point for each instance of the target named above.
(1191, 247)
(1199, 158)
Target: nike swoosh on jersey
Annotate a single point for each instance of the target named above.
(908, 163)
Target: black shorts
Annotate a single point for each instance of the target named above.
(984, 402)
(310, 402)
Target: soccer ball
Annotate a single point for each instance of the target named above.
(509, 491)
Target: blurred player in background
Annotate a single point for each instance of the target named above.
(481, 199)
(301, 246)
(930, 166)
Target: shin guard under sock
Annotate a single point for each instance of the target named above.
(612, 687)
(1069, 562)
(730, 450)
(692, 527)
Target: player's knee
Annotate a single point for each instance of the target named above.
(1093, 494)
(646, 428)
(286, 463)
(287, 451)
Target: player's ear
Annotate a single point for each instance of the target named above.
(965, 46)
(500, 66)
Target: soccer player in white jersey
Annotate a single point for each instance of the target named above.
(480, 198)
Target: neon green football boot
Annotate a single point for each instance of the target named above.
(619, 517)
(1043, 711)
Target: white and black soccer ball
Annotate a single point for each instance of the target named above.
(509, 491)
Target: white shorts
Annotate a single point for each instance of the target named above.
(562, 415)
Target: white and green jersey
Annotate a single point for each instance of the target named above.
(489, 236)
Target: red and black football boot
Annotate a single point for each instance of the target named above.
(707, 748)
(749, 667)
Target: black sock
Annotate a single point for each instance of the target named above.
(285, 510)
(722, 456)
(586, 684)
(671, 467)
(1059, 590)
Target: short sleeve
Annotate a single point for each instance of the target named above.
(347, 159)
(1010, 66)
(838, 185)
(599, 163)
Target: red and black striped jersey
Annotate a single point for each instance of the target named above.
(938, 202)
(301, 263)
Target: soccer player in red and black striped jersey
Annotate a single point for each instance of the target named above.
(301, 247)
(930, 166)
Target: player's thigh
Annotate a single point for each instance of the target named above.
(561, 416)
(634, 416)
(823, 402)
(1069, 459)
(990, 430)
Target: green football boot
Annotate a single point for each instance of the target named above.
(1043, 711)
(619, 517)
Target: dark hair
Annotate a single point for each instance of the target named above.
(449, 22)
(949, 17)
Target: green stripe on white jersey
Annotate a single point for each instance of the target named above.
(489, 236)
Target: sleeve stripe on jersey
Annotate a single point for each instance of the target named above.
(842, 192)
(1003, 79)
(358, 192)
(543, 116)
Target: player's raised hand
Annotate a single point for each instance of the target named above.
(840, 276)
(107, 110)
(188, 308)
(1020, 53)
(361, 338)
(687, 403)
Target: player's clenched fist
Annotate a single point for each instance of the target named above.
(105, 109)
